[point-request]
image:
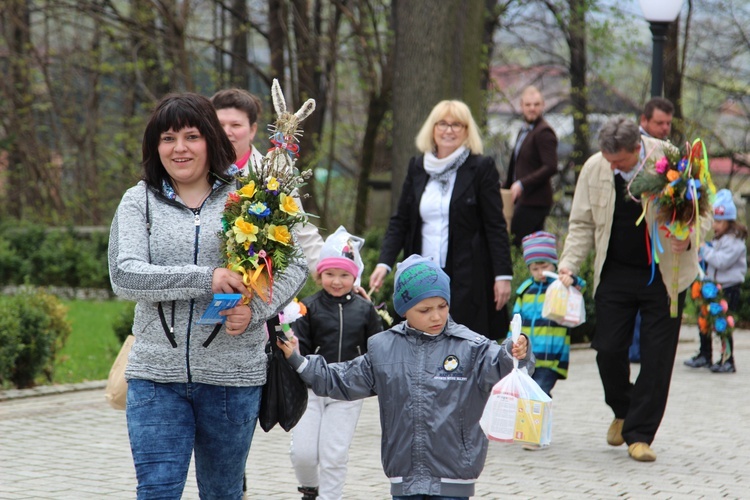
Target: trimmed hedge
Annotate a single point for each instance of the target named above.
(34, 255)
(33, 330)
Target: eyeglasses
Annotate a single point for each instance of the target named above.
(443, 126)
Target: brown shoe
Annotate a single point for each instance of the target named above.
(641, 452)
(614, 434)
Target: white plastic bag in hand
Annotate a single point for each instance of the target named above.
(518, 410)
(562, 304)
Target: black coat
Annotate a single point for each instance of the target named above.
(337, 328)
(478, 246)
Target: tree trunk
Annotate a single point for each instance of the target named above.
(578, 65)
(277, 39)
(239, 13)
(435, 60)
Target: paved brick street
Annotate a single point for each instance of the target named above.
(71, 445)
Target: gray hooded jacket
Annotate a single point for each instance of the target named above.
(432, 391)
(174, 265)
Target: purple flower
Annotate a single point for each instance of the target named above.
(682, 165)
(662, 166)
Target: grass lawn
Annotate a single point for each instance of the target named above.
(92, 346)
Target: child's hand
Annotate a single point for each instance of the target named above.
(288, 347)
(520, 347)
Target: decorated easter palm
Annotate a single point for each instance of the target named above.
(258, 217)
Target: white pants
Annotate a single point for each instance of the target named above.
(320, 444)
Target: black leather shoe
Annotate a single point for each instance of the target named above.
(698, 361)
(726, 367)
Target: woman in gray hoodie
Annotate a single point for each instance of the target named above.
(191, 388)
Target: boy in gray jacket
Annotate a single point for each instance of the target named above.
(432, 378)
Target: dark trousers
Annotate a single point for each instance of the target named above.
(621, 293)
(527, 220)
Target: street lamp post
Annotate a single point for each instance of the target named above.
(659, 14)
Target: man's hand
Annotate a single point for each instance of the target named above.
(237, 319)
(679, 246)
(502, 293)
(515, 191)
(377, 277)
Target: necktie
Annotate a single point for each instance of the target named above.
(521, 137)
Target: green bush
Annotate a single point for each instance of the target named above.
(30, 254)
(41, 332)
(123, 324)
(10, 342)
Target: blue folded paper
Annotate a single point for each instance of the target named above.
(220, 302)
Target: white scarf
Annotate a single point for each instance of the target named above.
(441, 169)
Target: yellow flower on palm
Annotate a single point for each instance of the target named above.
(273, 184)
(245, 232)
(669, 190)
(280, 234)
(248, 189)
(287, 204)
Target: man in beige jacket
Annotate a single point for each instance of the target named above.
(603, 218)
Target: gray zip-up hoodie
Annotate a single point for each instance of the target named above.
(432, 391)
(174, 265)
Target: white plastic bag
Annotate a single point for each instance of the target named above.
(518, 410)
(563, 305)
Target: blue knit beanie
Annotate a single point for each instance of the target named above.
(418, 278)
(724, 208)
(539, 247)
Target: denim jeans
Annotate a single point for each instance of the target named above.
(167, 422)
(429, 497)
(546, 378)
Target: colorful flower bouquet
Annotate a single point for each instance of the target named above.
(256, 236)
(713, 313)
(680, 189)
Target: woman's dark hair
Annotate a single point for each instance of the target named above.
(176, 112)
(238, 99)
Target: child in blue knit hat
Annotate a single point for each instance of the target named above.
(432, 378)
(550, 341)
(725, 262)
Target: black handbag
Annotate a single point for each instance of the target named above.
(284, 398)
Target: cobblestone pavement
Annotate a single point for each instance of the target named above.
(68, 444)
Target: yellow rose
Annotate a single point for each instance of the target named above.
(279, 233)
(273, 184)
(245, 231)
(248, 189)
(288, 205)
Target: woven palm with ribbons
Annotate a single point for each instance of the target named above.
(679, 187)
(259, 215)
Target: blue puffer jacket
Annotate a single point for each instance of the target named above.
(432, 390)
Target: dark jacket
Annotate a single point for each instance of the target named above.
(478, 246)
(337, 328)
(535, 166)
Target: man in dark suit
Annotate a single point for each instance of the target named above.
(532, 165)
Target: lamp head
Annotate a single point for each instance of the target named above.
(661, 11)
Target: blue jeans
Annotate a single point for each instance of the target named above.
(166, 422)
(429, 497)
(546, 378)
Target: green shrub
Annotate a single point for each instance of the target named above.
(42, 331)
(31, 254)
(123, 324)
(10, 342)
